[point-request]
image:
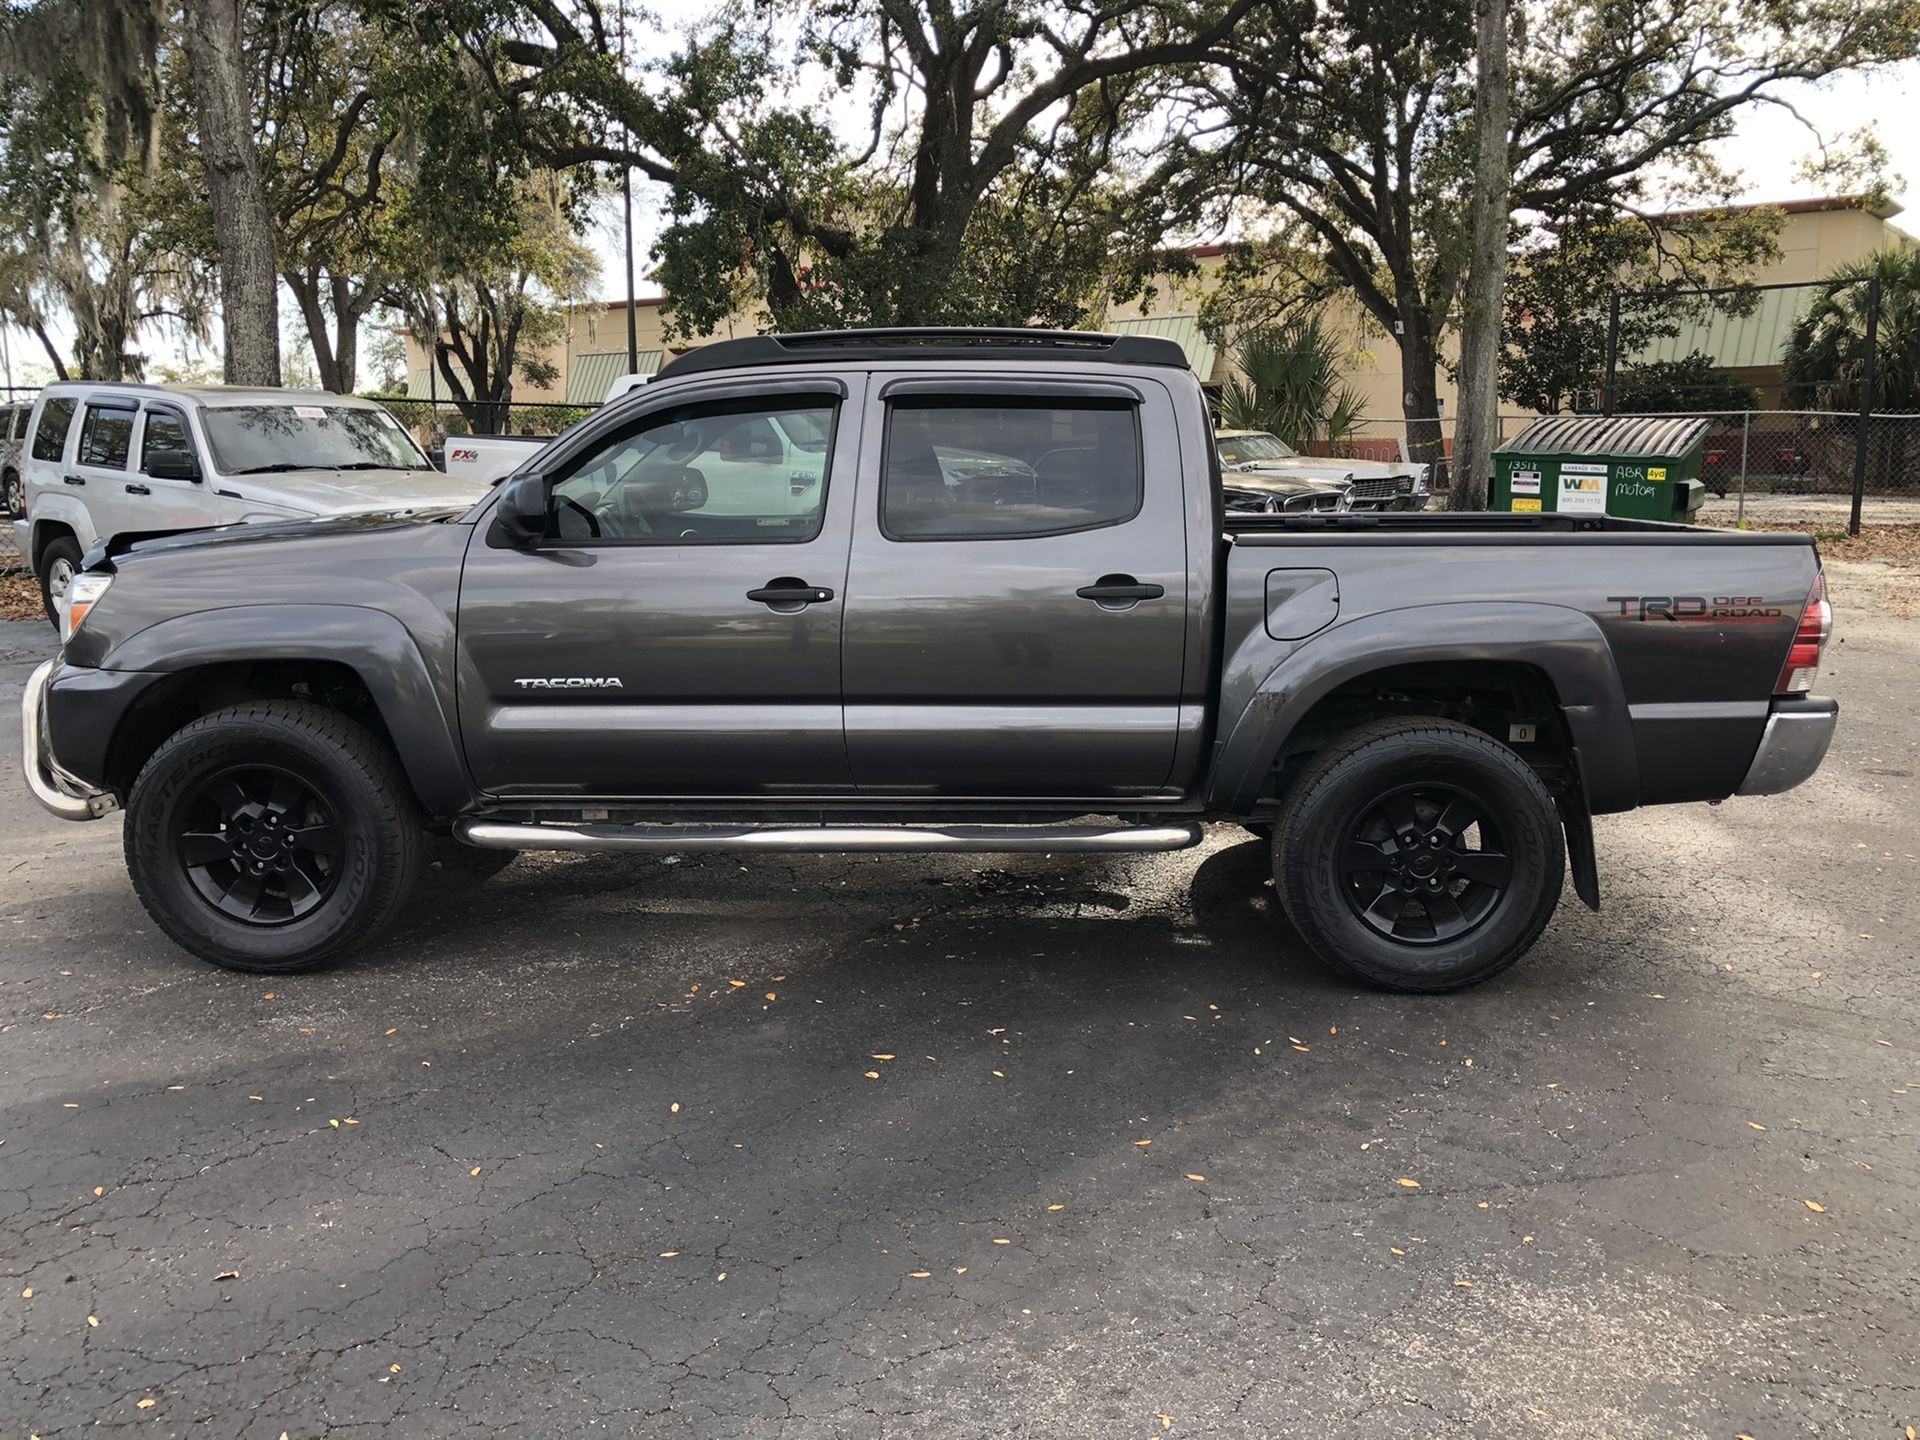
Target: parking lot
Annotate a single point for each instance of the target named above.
(962, 1146)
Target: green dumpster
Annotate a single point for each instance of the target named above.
(1639, 467)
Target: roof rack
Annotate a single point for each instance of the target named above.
(928, 343)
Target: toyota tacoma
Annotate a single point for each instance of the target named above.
(913, 591)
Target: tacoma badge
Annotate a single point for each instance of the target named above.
(572, 682)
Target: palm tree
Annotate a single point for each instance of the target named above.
(1825, 354)
(1289, 384)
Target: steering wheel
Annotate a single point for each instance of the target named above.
(593, 523)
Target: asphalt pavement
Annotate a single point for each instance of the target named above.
(955, 1146)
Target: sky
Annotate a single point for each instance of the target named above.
(1771, 142)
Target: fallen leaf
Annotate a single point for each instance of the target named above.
(959, 1269)
(883, 1057)
(1755, 1125)
(1003, 1242)
(27, 1294)
(267, 996)
(736, 984)
(1052, 1208)
(394, 1031)
(1815, 1206)
(226, 1275)
(473, 1172)
(146, 1404)
(1526, 1239)
(1463, 1284)
(721, 1276)
(668, 1254)
(93, 1322)
(674, 1109)
(1143, 1142)
(873, 1074)
(1396, 1250)
(256, 1097)
(1001, 1074)
(918, 1274)
(1166, 1422)
(393, 1369)
(1303, 1049)
(1197, 1179)
(1408, 1184)
(334, 1123)
(1889, 1045)
(98, 1191)
(772, 996)
(349, 1121)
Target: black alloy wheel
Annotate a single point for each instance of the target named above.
(259, 844)
(1425, 863)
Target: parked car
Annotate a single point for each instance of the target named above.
(106, 460)
(1257, 464)
(1768, 454)
(1004, 605)
(13, 428)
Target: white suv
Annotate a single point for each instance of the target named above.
(104, 460)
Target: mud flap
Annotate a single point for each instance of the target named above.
(1580, 856)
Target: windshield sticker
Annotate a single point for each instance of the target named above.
(310, 412)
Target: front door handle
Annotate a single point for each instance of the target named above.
(72, 480)
(788, 595)
(138, 490)
(1110, 588)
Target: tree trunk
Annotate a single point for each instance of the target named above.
(249, 292)
(1420, 394)
(1478, 428)
(53, 353)
(306, 293)
(347, 310)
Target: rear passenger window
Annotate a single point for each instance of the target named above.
(964, 470)
(105, 438)
(50, 435)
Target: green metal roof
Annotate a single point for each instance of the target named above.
(1733, 341)
(1652, 436)
(590, 376)
(1184, 331)
(417, 384)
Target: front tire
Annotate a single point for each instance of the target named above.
(272, 837)
(1419, 855)
(59, 563)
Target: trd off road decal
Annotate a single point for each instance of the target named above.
(1722, 609)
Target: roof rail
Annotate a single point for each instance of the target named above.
(927, 343)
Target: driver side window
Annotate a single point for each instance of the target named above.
(723, 472)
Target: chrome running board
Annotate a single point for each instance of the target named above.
(1006, 839)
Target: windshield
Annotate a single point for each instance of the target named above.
(1239, 449)
(256, 439)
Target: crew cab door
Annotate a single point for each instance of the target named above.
(1017, 621)
(677, 632)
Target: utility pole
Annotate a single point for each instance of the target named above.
(1477, 430)
(1868, 377)
(626, 205)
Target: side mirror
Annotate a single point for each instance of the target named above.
(173, 465)
(521, 516)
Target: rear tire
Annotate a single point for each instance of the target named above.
(1419, 855)
(272, 837)
(59, 563)
(13, 495)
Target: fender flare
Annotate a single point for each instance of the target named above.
(375, 645)
(1567, 645)
(56, 509)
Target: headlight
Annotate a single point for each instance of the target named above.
(83, 593)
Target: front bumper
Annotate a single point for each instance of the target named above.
(1792, 746)
(54, 788)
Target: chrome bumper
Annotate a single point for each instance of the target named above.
(1792, 746)
(59, 792)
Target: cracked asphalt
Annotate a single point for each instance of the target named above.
(945, 1146)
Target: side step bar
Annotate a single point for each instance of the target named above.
(496, 835)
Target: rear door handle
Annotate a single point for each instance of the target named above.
(138, 490)
(788, 594)
(1119, 587)
(72, 480)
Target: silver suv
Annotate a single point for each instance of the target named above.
(113, 459)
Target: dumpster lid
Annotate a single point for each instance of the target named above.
(1648, 435)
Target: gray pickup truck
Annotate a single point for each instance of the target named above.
(926, 590)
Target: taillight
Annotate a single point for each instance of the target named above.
(1803, 659)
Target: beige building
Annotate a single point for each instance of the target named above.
(1817, 235)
